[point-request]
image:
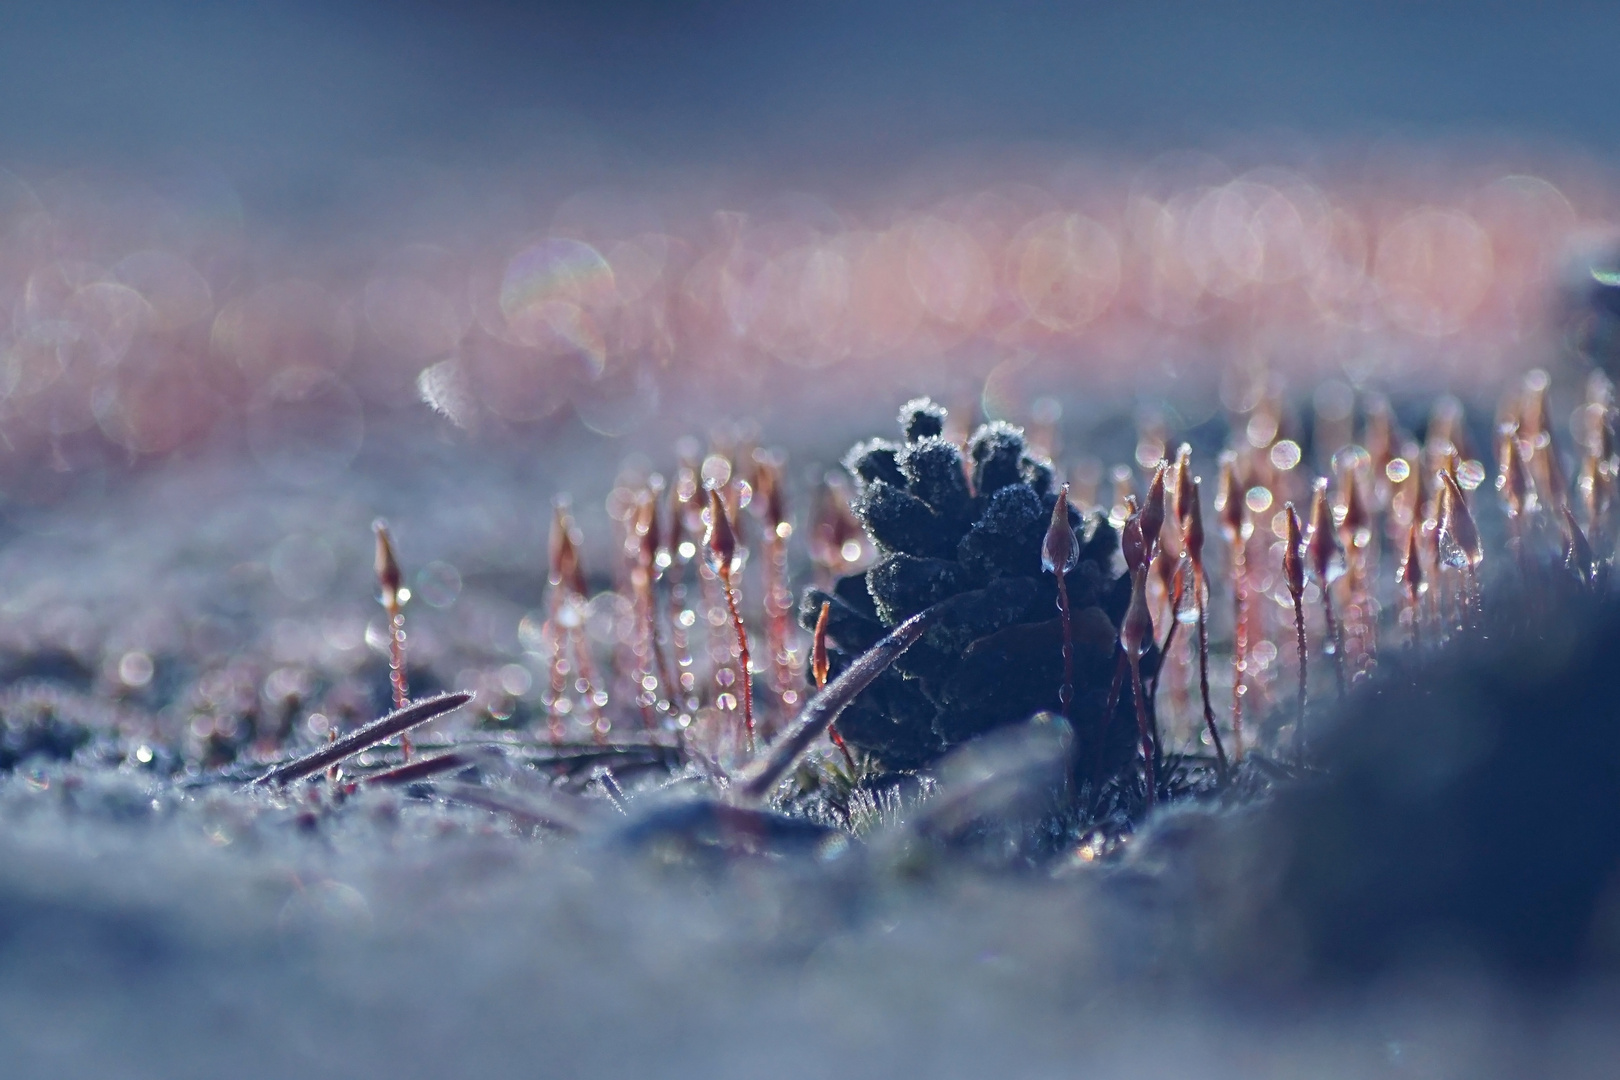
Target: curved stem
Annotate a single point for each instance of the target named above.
(742, 657)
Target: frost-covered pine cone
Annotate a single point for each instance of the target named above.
(970, 533)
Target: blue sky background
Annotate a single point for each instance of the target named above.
(281, 94)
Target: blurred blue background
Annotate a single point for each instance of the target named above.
(282, 95)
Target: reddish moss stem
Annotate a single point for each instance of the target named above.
(1293, 567)
(660, 661)
(1240, 641)
(779, 620)
(396, 670)
(1335, 635)
(1203, 669)
(1164, 650)
(1144, 729)
(819, 669)
(396, 657)
(1115, 687)
(394, 595)
(1304, 657)
(742, 656)
(1066, 691)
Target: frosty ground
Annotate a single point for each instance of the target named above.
(150, 927)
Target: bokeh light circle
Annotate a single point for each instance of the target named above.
(1433, 269)
(1066, 269)
(554, 294)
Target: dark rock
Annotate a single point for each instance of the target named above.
(1469, 808)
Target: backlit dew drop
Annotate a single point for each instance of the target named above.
(439, 584)
(1285, 454)
(515, 679)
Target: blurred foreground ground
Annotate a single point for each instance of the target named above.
(156, 929)
(262, 282)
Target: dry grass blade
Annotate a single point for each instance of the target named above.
(395, 723)
(532, 810)
(420, 769)
(821, 710)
